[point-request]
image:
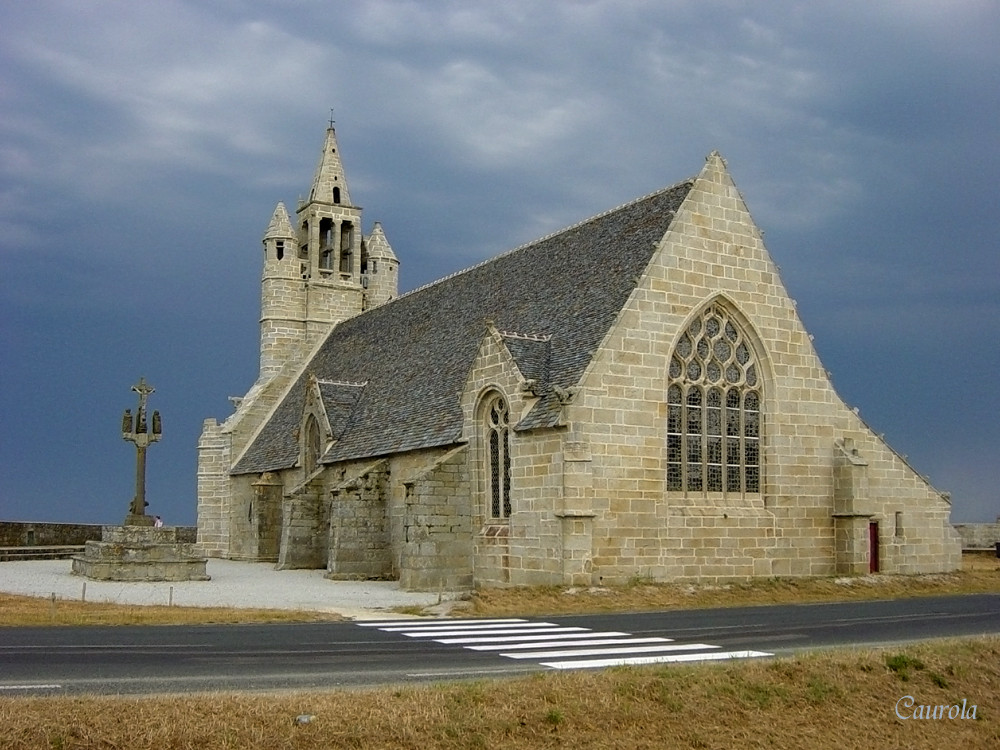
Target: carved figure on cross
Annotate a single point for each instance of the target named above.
(136, 431)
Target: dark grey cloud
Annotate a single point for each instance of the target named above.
(143, 147)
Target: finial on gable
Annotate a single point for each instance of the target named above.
(716, 156)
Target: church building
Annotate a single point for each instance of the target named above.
(633, 396)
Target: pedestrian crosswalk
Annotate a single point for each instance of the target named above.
(557, 646)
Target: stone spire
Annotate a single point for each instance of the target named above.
(281, 224)
(378, 245)
(329, 183)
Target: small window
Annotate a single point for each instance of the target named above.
(899, 523)
(336, 195)
(279, 249)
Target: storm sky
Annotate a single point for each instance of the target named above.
(143, 147)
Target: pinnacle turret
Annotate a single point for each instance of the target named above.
(381, 277)
(281, 224)
(378, 245)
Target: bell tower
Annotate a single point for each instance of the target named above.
(329, 244)
(313, 276)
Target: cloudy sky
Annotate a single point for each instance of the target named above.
(143, 147)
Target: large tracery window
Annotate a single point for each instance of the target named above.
(497, 439)
(714, 409)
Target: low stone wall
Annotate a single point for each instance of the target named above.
(35, 534)
(979, 535)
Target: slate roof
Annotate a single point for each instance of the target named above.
(338, 401)
(531, 354)
(415, 353)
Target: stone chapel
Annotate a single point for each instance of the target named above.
(633, 396)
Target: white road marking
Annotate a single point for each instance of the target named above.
(561, 644)
(600, 651)
(381, 624)
(519, 638)
(662, 659)
(517, 631)
(523, 639)
(471, 628)
(30, 687)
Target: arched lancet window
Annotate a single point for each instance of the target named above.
(346, 247)
(313, 444)
(714, 409)
(496, 434)
(326, 240)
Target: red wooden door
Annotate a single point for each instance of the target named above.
(873, 547)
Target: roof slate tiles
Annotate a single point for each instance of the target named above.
(415, 352)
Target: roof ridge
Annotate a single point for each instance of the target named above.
(544, 238)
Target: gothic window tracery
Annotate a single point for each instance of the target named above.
(497, 455)
(714, 408)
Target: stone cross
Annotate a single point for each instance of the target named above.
(137, 431)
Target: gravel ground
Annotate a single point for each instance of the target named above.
(233, 584)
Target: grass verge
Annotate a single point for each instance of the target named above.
(832, 700)
(979, 574)
(18, 610)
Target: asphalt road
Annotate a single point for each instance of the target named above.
(144, 660)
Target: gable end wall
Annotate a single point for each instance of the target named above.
(714, 251)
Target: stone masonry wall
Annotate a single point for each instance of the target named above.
(330, 301)
(525, 549)
(304, 530)
(714, 252)
(214, 493)
(30, 534)
(979, 535)
(282, 323)
(436, 548)
(359, 544)
(220, 495)
(35, 533)
(254, 517)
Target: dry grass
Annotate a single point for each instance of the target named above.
(980, 562)
(27, 610)
(980, 574)
(829, 701)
